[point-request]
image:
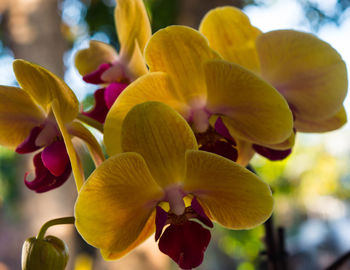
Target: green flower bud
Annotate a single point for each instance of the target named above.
(50, 253)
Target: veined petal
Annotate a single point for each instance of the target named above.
(308, 72)
(232, 195)
(123, 187)
(79, 130)
(230, 33)
(73, 157)
(252, 109)
(147, 231)
(132, 25)
(155, 86)
(180, 51)
(44, 86)
(89, 59)
(161, 136)
(332, 123)
(285, 145)
(18, 116)
(245, 152)
(136, 67)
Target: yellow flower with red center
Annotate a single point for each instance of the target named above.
(42, 115)
(307, 71)
(101, 64)
(161, 179)
(218, 98)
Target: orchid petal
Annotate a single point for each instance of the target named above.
(95, 77)
(44, 180)
(100, 109)
(29, 145)
(185, 243)
(79, 130)
(332, 123)
(74, 160)
(252, 108)
(180, 52)
(132, 25)
(55, 158)
(113, 91)
(272, 154)
(44, 86)
(308, 72)
(136, 66)
(89, 59)
(232, 195)
(230, 33)
(18, 116)
(155, 86)
(161, 136)
(123, 187)
(146, 232)
(244, 148)
(285, 145)
(245, 152)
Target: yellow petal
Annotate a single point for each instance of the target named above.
(230, 33)
(308, 72)
(180, 51)
(89, 59)
(79, 130)
(18, 115)
(136, 67)
(252, 108)
(332, 123)
(44, 86)
(245, 152)
(161, 136)
(115, 204)
(74, 160)
(232, 195)
(147, 231)
(155, 86)
(132, 25)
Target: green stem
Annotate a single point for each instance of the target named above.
(91, 122)
(57, 221)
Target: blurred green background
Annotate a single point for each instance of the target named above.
(311, 187)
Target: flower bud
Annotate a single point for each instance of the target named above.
(49, 253)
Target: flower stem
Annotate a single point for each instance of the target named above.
(57, 221)
(91, 122)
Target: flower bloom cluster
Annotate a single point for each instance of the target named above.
(183, 112)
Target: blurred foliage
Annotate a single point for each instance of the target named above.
(244, 246)
(162, 13)
(9, 182)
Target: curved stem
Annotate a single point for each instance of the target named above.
(57, 221)
(91, 122)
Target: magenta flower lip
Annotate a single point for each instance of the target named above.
(52, 165)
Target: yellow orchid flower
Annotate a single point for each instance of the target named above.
(226, 104)
(101, 64)
(41, 116)
(307, 71)
(160, 179)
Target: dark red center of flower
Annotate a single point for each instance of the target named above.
(272, 154)
(52, 165)
(104, 97)
(218, 140)
(184, 240)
